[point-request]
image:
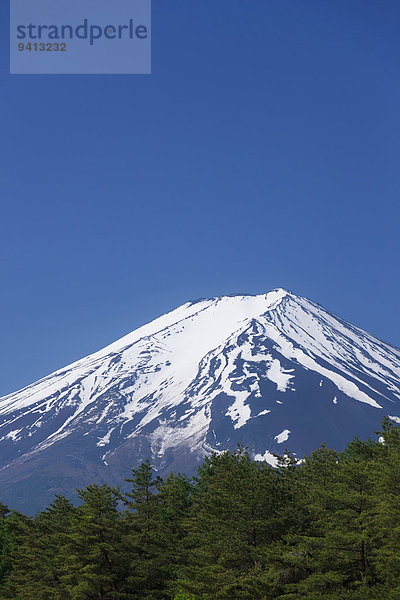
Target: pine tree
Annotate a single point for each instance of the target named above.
(175, 500)
(39, 560)
(232, 521)
(8, 542)
(96, 563)
(146, 542)
(386, 524)
(333, 553)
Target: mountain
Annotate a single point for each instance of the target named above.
(271, 371)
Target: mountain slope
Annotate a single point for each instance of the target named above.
(270, 371)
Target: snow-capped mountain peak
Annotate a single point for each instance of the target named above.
(266, 370)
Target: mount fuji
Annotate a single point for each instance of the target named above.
(271, 371)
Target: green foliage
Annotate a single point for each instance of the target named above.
(38, 557)
(325, 529)
(232, 519)
(94, 564)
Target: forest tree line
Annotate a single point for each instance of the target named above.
(326, 529)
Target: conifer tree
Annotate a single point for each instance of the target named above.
(39, 561)
(386, 524)
(8, 541)
(232, 520)
(146, 544)
(175, 500)
(333, 552)
(96, 563)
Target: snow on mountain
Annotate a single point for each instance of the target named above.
(270, 371)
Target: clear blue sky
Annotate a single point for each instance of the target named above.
(263, 151)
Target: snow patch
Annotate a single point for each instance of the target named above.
(13, 435)
(279, 375)
(394, 419)
(264, 412)
(268, 458)
(105, 439)
(239, 412)
(283, 436)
